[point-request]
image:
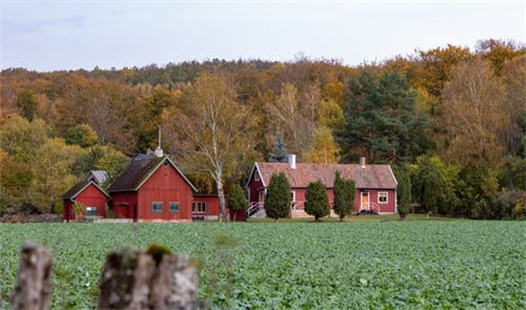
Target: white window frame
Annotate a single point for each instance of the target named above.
(383, 194)
(256, 176)
(199, 207)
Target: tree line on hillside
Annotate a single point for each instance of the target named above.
(450, 119)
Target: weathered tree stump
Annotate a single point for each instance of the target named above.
(33, 287)
(144, 280)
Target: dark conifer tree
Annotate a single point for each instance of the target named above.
(344, 191)
(316, 200)
(280, 153)
(278, 199)
(236, 199)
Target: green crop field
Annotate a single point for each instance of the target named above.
(359, 265)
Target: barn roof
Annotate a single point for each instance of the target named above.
(367, 176)
(138, 171)
(78, 188)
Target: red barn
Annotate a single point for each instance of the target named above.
(87, 194)
(375, 184)
(152, 189)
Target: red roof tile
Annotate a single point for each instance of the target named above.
(369, 176)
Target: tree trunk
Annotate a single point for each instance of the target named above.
(221, 194)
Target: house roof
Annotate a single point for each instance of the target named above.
(368, 176)
(140, 170)
(78, 188)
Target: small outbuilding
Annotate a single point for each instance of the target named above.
(85, 198)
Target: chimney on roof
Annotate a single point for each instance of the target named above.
(362, 162)
(292, 161)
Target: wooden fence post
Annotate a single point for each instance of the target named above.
(33, 287)
(141, 280)
(131, 279)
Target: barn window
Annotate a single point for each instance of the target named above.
(382, 197)
(173, 207)
(157, 206)
(199, 207)
(91, 211)
(256, 176)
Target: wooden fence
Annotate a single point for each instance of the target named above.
(131, 279)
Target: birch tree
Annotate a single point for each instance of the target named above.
(208, 130)
(474, 114)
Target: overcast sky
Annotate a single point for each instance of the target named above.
(68, 35)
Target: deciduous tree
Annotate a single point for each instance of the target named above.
(52, 175)
(209, 132)
(474, 115)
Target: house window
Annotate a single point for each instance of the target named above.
(382, 197)
(256, 176)
(199, 207)
(91, 211)
(157, 206)
(173, 207)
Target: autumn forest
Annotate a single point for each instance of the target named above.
(450, 120)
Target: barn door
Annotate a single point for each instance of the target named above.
(135, 212)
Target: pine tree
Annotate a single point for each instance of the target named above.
(316, 200)
(278, 199)
(280, 151)
(344, 191)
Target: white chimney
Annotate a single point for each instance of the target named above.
(362, 162)
(292, 161)
(159, 152)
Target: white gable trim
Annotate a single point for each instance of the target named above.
(255, 169)
(157, 167)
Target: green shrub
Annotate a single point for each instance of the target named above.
(316, 200)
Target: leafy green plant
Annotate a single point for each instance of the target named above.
(398, 265)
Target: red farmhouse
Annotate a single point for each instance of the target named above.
(152, 189)
(375, 184)
(87, 194)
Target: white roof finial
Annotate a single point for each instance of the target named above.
(159, 151)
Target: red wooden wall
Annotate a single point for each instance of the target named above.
(164, 186)
(91, 196)
(212, 205)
